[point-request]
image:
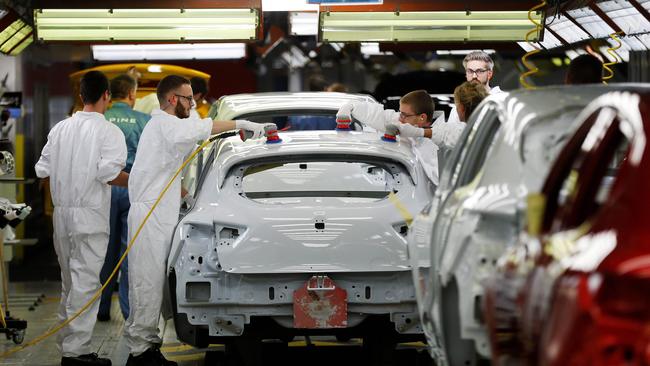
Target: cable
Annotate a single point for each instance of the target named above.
(606, 66)
(97, 294)
(524, 59)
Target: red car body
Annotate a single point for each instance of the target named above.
(579, 293)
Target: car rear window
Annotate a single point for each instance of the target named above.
(293, 181)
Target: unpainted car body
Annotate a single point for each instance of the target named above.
(505, 152)
(578, 293)
(269, 218)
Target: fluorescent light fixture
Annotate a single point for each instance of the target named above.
(625, 16)
(146, 24)
(303, 24)
(587, 18)
(550, 41)
(288, 5)
(16, 35)
(571, 54)
(372, 49)
(182, 51)
(567, 30)
(425, 26)
(462, 52)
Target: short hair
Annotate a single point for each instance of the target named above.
(121, 85)
(478, 56)
(337, 87)
(585, 69)
(167, 84)
(93, 85)
(199, 85)
(470, 95)
(421, 102)
(316, 83)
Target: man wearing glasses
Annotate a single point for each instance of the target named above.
(478, 69)
(167, 138)
(415, 123)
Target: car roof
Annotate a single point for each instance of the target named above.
(233, 106)
(233, 151)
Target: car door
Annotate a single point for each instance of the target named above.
(458, 173)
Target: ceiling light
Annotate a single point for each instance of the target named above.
(146, 24)
(425, 26)
(288, 5)
(303, 24)
(182, 51)
(15, 34)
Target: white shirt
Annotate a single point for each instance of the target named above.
(375, 117)
(164, 143)
(83, 153)
(453, 114)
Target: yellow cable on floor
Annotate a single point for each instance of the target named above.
(51, 332)
(524, 59)
(611, 50)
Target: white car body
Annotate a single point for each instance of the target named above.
(269, 217)
(505, 152)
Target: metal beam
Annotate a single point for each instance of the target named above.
(606, 18)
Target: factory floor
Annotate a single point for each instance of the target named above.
(37, 302)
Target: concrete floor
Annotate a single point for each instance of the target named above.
(43, 298)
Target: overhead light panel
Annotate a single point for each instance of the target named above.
(131, 25)
(15, 33)
(425, 26)
(182, 51)
(303, 23)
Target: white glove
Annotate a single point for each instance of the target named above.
(345, 112)
(256, 128)
(408, 130)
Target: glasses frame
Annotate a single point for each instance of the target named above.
(477, 72)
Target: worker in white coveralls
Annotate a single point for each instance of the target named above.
(414, 121)
(168, 137)
(83, 156)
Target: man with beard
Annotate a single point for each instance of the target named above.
(478, 69)
(166, 139)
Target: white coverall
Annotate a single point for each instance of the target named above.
(443, 134)
(453, 114)
(164, 143)
(82, 154)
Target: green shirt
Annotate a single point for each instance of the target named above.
(131, 123)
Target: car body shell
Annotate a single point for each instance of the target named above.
(455, 243)
(578, 294)
(237, 261)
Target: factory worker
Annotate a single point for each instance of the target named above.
(414, 121)
(479, 69)
(84, 155)
(169, 136)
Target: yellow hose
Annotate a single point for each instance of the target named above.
(606, 66)
(97, 294)
(524, 59)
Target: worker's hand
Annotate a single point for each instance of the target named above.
(256, 128)
(345, 112)
(408, 130)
